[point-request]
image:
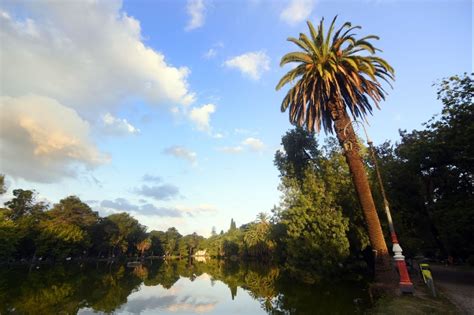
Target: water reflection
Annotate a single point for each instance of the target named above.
(176, 287)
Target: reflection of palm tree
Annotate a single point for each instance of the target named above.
(262, 286)
(334, 79)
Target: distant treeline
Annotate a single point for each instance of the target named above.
(318, 225)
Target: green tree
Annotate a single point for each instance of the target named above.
(300, 150)
(143, 246)
(233, 226)
(27, 215)
(3, 188)
(258, 238)
(335, 79)
(68, 227)
(429, 176)
(316, 240)
(171, 244)
(128, 233)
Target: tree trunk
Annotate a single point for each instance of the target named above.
(348, 141)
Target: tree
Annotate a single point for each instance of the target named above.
(3, 188)
(429, 176)
(316, 239)
(171, 245)
(335, 79)
(144, 245)
(127, 234)
(27, 215)
(300, 148)
(68, 225)
(232, 225)
(22, 204)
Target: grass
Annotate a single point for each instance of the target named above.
(419, 303)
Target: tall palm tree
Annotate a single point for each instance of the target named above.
(337, 76)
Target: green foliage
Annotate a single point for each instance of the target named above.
(316, 240)
(339, 69)
(127, 234)
(3, 188)
(300, 150)
(429, 176)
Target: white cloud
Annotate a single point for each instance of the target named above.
(197, 210)
(254, 144)
(297, 11)
(251, 64)
(218, 135)
(88, 55)
(211, 53)
(195, 10)
(181, 153)
(118, 126)
(201, 116)
(231, 150)
(42, 140)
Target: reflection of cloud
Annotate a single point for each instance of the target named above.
(172, 303)
(198, 308)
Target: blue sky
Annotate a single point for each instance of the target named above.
(167, 109)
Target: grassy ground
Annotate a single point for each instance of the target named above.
(419, 303)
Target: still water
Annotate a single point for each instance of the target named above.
(176, 287)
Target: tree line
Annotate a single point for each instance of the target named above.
(317, 227)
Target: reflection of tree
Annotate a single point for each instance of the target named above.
(105, 288)
(141, 272)
(262, 285)
(52, 290)
(165, 274)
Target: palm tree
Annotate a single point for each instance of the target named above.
(337, 76)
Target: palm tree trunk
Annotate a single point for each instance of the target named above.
(348, 140)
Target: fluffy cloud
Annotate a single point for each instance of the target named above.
(87, 54)
(201, 116)
(211, 53)
(148, 209)
(197, 210)
(122, 204)
(297, 11)
(118, 126)
(152, 178)
(41, 140)
(231, 150)
(181, 153)
(254, 144)
(159, 192)
(251, 64)
(195, 10)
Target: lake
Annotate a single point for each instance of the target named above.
(172, 287)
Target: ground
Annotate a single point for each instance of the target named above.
(455, 287)
(457, 284)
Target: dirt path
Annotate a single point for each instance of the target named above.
(457, 284)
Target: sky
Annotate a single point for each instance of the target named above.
(168, 110)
